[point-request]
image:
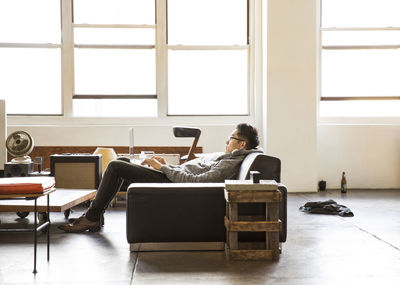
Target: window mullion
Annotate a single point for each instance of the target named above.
(360, 98)
(113, 46)
(67, 57)
(115, 96)
(359, 47)
(29, 45)
(117, 26)
(208, 47)
(356, 29)
(161, 58)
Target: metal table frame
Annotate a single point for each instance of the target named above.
(37, 227)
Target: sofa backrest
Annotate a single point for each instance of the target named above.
(268, 166)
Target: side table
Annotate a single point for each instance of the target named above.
(245, 191)
(37, 227)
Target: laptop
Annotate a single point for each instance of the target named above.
(139, 163)
(137, 159)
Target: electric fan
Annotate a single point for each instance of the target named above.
(20, 144)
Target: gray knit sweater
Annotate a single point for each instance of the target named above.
(215, 167)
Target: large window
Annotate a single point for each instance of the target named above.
(127, 58)
(30, 56)
(207, 59)
(114, 58)
(360, 58)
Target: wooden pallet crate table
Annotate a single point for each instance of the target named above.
(245, 191)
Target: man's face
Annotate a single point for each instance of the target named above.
(234, 142)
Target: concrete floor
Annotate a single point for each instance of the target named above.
(320, 249)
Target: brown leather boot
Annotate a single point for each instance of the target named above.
(72, 220)
(81, 225)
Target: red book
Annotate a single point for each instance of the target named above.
(26, 185)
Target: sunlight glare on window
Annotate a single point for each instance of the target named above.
(207, 82)
(115, 71)
(207, 22)
(360, 13)
(31, 80)
(28, 21)
(114, 12)
(360, 73)
(114, 36)
(348, 38)
(385, 108)
(115, 108)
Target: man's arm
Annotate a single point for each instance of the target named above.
(224, 169)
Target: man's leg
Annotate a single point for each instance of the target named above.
(116, 172)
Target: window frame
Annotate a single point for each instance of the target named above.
(364, 119)
(255, 78)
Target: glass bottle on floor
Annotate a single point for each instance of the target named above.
(343, 183)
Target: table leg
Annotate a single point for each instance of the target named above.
(267, 218)
(35, 237)
(48, 228)
(233, 217)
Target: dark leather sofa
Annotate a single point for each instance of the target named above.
(179, 216)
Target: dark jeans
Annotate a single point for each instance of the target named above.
(115, 174)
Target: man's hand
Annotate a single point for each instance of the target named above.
(155, 162)
(160, 159)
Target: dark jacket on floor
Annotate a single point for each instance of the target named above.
(329, 207)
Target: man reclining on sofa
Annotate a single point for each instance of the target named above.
(243, 140)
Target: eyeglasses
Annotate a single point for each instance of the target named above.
(233, 138)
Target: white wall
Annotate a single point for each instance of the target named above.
(292, 91)
(369, 154)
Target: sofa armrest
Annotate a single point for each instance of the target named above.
(283, 212)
